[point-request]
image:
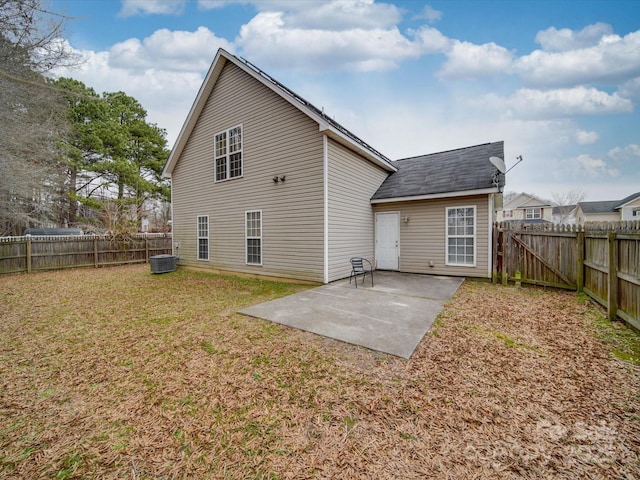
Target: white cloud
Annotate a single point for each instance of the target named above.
(429, 14)
(583, 137)
(626, 154)
(343, 15)
(168, 50)
(613, 60)
(467, 60)
(323, 14)
(148, 7)
(268, 42)
(565, 102)
(432, 40)
(554, 40)
(630, 89)
(590, 167)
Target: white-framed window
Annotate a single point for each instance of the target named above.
(507, 213)
(461, 236)
(253, 223)
(636, 212)
(533, 213)
(203, 237)
(228, 154)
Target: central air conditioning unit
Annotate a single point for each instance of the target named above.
(163, 263)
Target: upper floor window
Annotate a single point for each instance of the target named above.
(507, 213)
(533, 213)
(228, 154)
(636, 212)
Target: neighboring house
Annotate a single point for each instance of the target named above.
(609, 210)
(265, 183)
(564, 214)
(526, 208)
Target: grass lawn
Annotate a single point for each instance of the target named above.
(118, 373)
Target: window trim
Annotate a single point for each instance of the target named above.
(248, 237)
(227, 154)
(474, 237)
(534, 211)
(198, 238)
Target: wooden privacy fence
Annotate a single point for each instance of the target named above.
(602, 260)
(38, 253)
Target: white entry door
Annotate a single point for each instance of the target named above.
(387, 240)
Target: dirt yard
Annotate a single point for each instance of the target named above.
(118, 373)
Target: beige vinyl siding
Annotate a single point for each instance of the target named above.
(423, 237)
(626, 212)
(278, 139)
(352, 182)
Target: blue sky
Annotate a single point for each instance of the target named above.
(558, 81)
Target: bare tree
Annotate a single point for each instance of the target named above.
(32, 115)
(566, 202)
(31, 27)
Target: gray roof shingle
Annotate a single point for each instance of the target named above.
(606, 206)
(451, 171)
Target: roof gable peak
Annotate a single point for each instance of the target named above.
(326, 125)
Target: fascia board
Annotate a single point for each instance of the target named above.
(433, 196)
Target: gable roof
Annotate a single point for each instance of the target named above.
(525, 200)
(628, 199)
(607, 206)
(326, 124)
(464, 171)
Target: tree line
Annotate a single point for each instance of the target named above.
(69, 157)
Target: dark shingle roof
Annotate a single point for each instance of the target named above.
(606, 206)
(451, 171)
(633, 196)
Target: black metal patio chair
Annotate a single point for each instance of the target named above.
(360, 266)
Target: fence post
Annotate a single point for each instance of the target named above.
(612, 298)
(95, 251)
(580, 260)
(28, 253)
(506, 237)
(146, 248)
(494, 256)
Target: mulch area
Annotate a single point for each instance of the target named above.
(116, 373)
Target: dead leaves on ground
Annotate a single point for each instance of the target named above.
(117, 373)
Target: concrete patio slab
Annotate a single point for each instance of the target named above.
(391, 317)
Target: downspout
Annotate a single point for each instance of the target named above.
(490, 243)
(325, 187)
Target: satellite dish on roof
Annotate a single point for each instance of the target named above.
(498, 163)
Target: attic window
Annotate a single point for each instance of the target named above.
(228, 154)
